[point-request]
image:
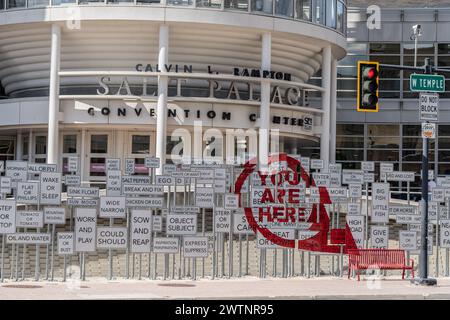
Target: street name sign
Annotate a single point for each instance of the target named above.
(427, 82)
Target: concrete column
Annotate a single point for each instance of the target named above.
(19, 146)
(333, 110)
(53, 106)
(30, 146)
(161, 113)
(264, 119)
(326, 84)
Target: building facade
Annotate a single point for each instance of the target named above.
(88, 79)
(394, 133)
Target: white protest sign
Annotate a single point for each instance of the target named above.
(152, 162)
(407, 218)
(136, 180)
(129, 166)
(369, 177)
(368, 166)
(408, 240)
(195, 247)
(144, 202)
(321, 179)
(141, 231)
(314, 195)
(355, 191)
(164, 180)
(157, 223)
(72, 180)
(380, 202)
(352, 177)
(305, 162)
(222, 219)
(112, 207)
(82, 202)
(65, 243)
(17, 171)
(356, 225)
(28, 238)
(231, 201)
(204, 197)
(399, 210)
(400, 176)
(89, 192)
(165, 245)
(186, 209)
(353, 208)
(143, 190)
(240, 224)
(112, 238)
(5, 185)
(219, 186)
(112, 165)
(438, 194)
(41, 167)
(317, 164)
(169, 168)
(181, 224)
(113, 183)
(50, 191)
(85, 229)
(379, 237)
(55, 215)
(264, 243)
(445, 233)
(256, 197)
(72, 164)
(337, 194)
(7, 216)
(27, 192)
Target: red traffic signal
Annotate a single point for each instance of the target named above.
(367, 94)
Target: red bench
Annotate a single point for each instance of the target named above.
(383, 259)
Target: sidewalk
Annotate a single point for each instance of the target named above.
(244, 288)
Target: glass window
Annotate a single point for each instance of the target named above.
(25, 145)
(319, 8)
(284, 8)
(331, 13)
(179, 2)
(264, 6)
(340, 16)
(349, 142)
(382, 155)
(140, 144)
(41, 145)
(382, 130)
(382, 142)
(412, 130)
(444, 130)
(97, 167)
(15, 3)
(422, 48)
(37, 3)
(235, 4)
(384, 48)
(99, 143)
(7, 146)
(70, 143)
(303, 9)
(349, 129)
(349, 155)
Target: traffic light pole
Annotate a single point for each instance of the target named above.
(423, 258)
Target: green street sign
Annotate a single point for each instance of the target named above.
(427, 82)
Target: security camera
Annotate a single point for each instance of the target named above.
(417, 29)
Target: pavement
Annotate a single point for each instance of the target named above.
(323, 288)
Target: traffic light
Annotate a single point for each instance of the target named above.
(367, 95)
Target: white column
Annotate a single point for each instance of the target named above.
(333, 110)
(161, 112)
(326, 84)
(53, 106)
(30, 145)
(19, 146)
(264, 119)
